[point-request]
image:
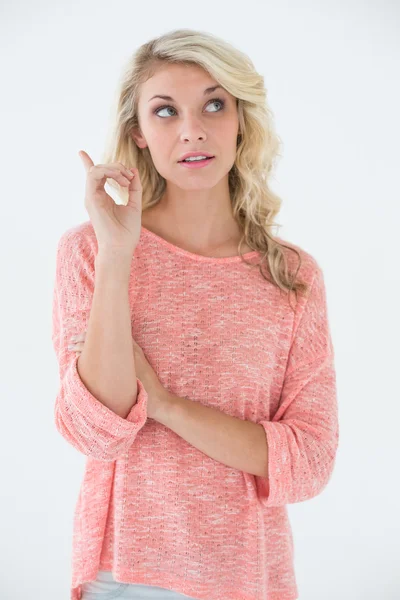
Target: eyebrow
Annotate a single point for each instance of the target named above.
(206, 91)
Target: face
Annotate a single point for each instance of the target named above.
(192, 121)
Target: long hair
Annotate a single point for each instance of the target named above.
(254, 204)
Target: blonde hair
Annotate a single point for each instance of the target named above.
(254, 204)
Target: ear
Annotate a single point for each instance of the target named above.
(138, 138)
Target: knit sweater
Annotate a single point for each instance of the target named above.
(152, 508)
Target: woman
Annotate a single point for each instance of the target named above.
(204, 401)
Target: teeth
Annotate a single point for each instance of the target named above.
(195, 158)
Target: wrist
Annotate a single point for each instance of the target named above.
(115, 264)
(114, 252)
(114, 257)
(165, 407)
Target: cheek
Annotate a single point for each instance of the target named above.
(231, 125)
(159, 146)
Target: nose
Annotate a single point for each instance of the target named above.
(192, 130)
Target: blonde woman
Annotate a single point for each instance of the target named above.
(196, 361)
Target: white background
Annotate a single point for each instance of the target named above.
(332, 74)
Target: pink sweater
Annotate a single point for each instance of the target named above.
(152, 508)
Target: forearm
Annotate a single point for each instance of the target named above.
(229, 440)
(106, 365)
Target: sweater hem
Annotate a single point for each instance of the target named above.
(175, 585)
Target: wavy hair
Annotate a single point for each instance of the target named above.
(254, 204)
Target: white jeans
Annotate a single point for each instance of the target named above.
(106, 588)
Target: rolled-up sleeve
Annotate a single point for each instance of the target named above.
(303, 436)
(85, 422)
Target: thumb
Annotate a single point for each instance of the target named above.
(87, 161)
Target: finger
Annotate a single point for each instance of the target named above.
(127, 172)
(77, 346)
(87, 161)
(98, 172)
(119, 168)
(78, 338)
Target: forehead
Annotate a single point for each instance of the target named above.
(174, 79)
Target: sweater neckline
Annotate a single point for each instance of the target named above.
(194, 256)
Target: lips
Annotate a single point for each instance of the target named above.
(197, 160)
(195, 155)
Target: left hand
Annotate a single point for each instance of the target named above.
(157, 394)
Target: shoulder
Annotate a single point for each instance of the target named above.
(309, 265)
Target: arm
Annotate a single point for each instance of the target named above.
(302, 437)
(234, 442)
(290, 458)
(95, 408)
(106, 365)
(303, 434)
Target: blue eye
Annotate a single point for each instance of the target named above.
(219, 100)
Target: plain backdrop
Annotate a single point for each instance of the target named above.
(332, 74)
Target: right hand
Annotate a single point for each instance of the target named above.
(117, 227)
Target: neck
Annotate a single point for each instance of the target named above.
(202, 216)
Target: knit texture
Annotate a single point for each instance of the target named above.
(152, 508)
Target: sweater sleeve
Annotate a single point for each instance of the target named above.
(303, 434)
(85, 422)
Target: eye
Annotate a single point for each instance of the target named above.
(213, 101)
